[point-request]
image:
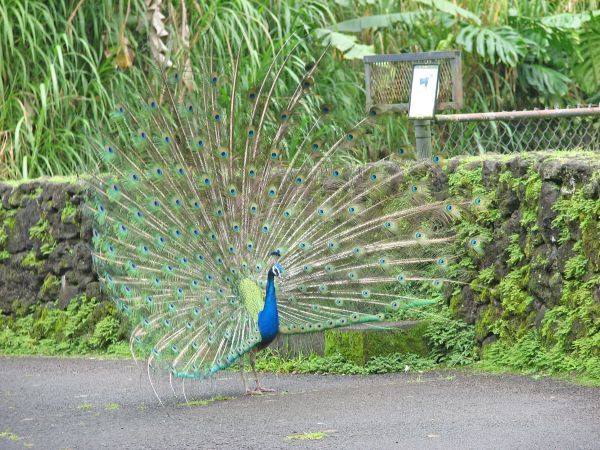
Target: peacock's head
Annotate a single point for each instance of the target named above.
(277, 270)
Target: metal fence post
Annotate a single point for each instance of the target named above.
(423, 138)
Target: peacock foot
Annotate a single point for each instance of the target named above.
(253, 392)
(262, 389)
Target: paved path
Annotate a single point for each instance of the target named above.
(48, 403)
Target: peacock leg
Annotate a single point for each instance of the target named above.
(246, 388)
(259, 388)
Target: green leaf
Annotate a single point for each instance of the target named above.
(346, 44)
(495, 44)
(545, 80)
(360, 51)
(452, 9)
(587, 70)
(379, 21)
(569, 20)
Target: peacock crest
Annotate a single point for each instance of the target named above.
(202, 193)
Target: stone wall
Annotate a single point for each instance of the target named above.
(539, 224)
(44, 250)
(539, 267)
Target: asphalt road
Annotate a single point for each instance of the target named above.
(48, 403)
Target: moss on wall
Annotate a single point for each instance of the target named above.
(44, 244)
(360, 344)
(534, 294)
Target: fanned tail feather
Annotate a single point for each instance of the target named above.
(195, 195)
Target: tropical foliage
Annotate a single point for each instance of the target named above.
(58, 78)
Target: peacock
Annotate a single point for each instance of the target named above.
(225, 213)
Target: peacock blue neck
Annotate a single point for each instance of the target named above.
(268, 318)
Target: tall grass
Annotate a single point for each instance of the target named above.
(55, 82)
(58, 58)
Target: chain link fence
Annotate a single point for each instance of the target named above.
(517, 131)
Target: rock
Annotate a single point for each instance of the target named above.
(18, 284)
(549, 195)
(489, 340)
(518, 166)
(67, 293)
(468, 309)
(82, 258)
(50, 289)
(489, 169)
(563, 254)
(295, 345)
(539, 317)
(565, 169)
(18, 239)
(359, 343)
(93, 290)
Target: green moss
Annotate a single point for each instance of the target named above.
(218, 398)
(515, 254)
(40, 229)
(68, 213)
(30, 260)
(10, 436)
(15, 198)
(7, 217)
(466, 180)
(41, 232)
(360, 345)
(350, 344)
(53, 180)
(4, 255)
(86, 406)
(309, 436)
(50, 282)
(484, 323)
(35, 194)
(455, 302)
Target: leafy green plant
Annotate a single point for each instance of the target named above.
(270, 361)
(68, 213)
(86, 326)
(452, 340)
(515, 254)
(41, 231)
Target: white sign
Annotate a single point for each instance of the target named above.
(423, 92)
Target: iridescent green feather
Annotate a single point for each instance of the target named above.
(195, 190)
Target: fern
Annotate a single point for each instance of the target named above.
(546, 80)
(495, 44)
(587, 71)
